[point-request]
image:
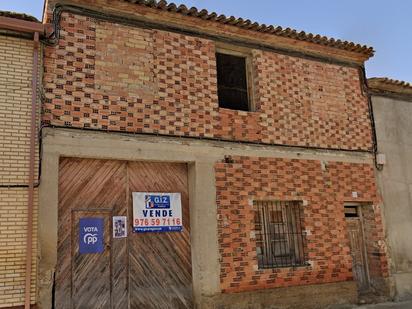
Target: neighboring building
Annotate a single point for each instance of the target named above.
(392, 105)
(19, 53)
(263, 135)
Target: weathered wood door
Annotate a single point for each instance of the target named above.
(160, 263)
(357, 246)
(148, 270)
(90, 188)
(91, 273)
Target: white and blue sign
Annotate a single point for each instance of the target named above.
(157, 201)
(157, 212)
(91, 235)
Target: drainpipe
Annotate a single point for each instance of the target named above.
(29, 242)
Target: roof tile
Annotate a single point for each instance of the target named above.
(21, 16)
(386, 85)
(254, 26)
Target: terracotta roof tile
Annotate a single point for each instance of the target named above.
(386, 80)
(386, 85)
(254, 26)
(21, 16)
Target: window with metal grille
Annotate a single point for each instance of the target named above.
(280, 235)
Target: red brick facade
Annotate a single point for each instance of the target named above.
(325, 192)
(152, 81)
(113, 77)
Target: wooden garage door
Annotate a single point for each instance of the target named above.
(148, 270)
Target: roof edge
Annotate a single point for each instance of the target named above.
(256, 27)
(390, 87)
(20, 16)
(23, 26)
(230, 29)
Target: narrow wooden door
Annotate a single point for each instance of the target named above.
(160, 265)
(91, 188)
(357, 246)
(91, 272)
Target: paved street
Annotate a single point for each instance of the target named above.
(401, 305)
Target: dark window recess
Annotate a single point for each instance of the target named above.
(232, 82)
(280, 235)
(351, 212)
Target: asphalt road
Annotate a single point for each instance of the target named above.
(401, 305)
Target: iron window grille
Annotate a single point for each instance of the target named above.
(280, 234)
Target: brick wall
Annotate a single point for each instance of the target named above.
(152, 81)
(15, 108)
(311, 103)
(324, 190)
(13, 217)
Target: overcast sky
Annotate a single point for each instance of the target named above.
(383, 24)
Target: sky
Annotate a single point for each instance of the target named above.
(385, 25)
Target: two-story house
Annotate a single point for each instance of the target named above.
(191, 159)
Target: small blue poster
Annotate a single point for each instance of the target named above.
(91, 235)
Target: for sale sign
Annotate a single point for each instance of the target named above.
(157, 212)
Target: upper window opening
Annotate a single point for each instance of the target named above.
(232, 82)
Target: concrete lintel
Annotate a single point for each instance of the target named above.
(91, 144)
